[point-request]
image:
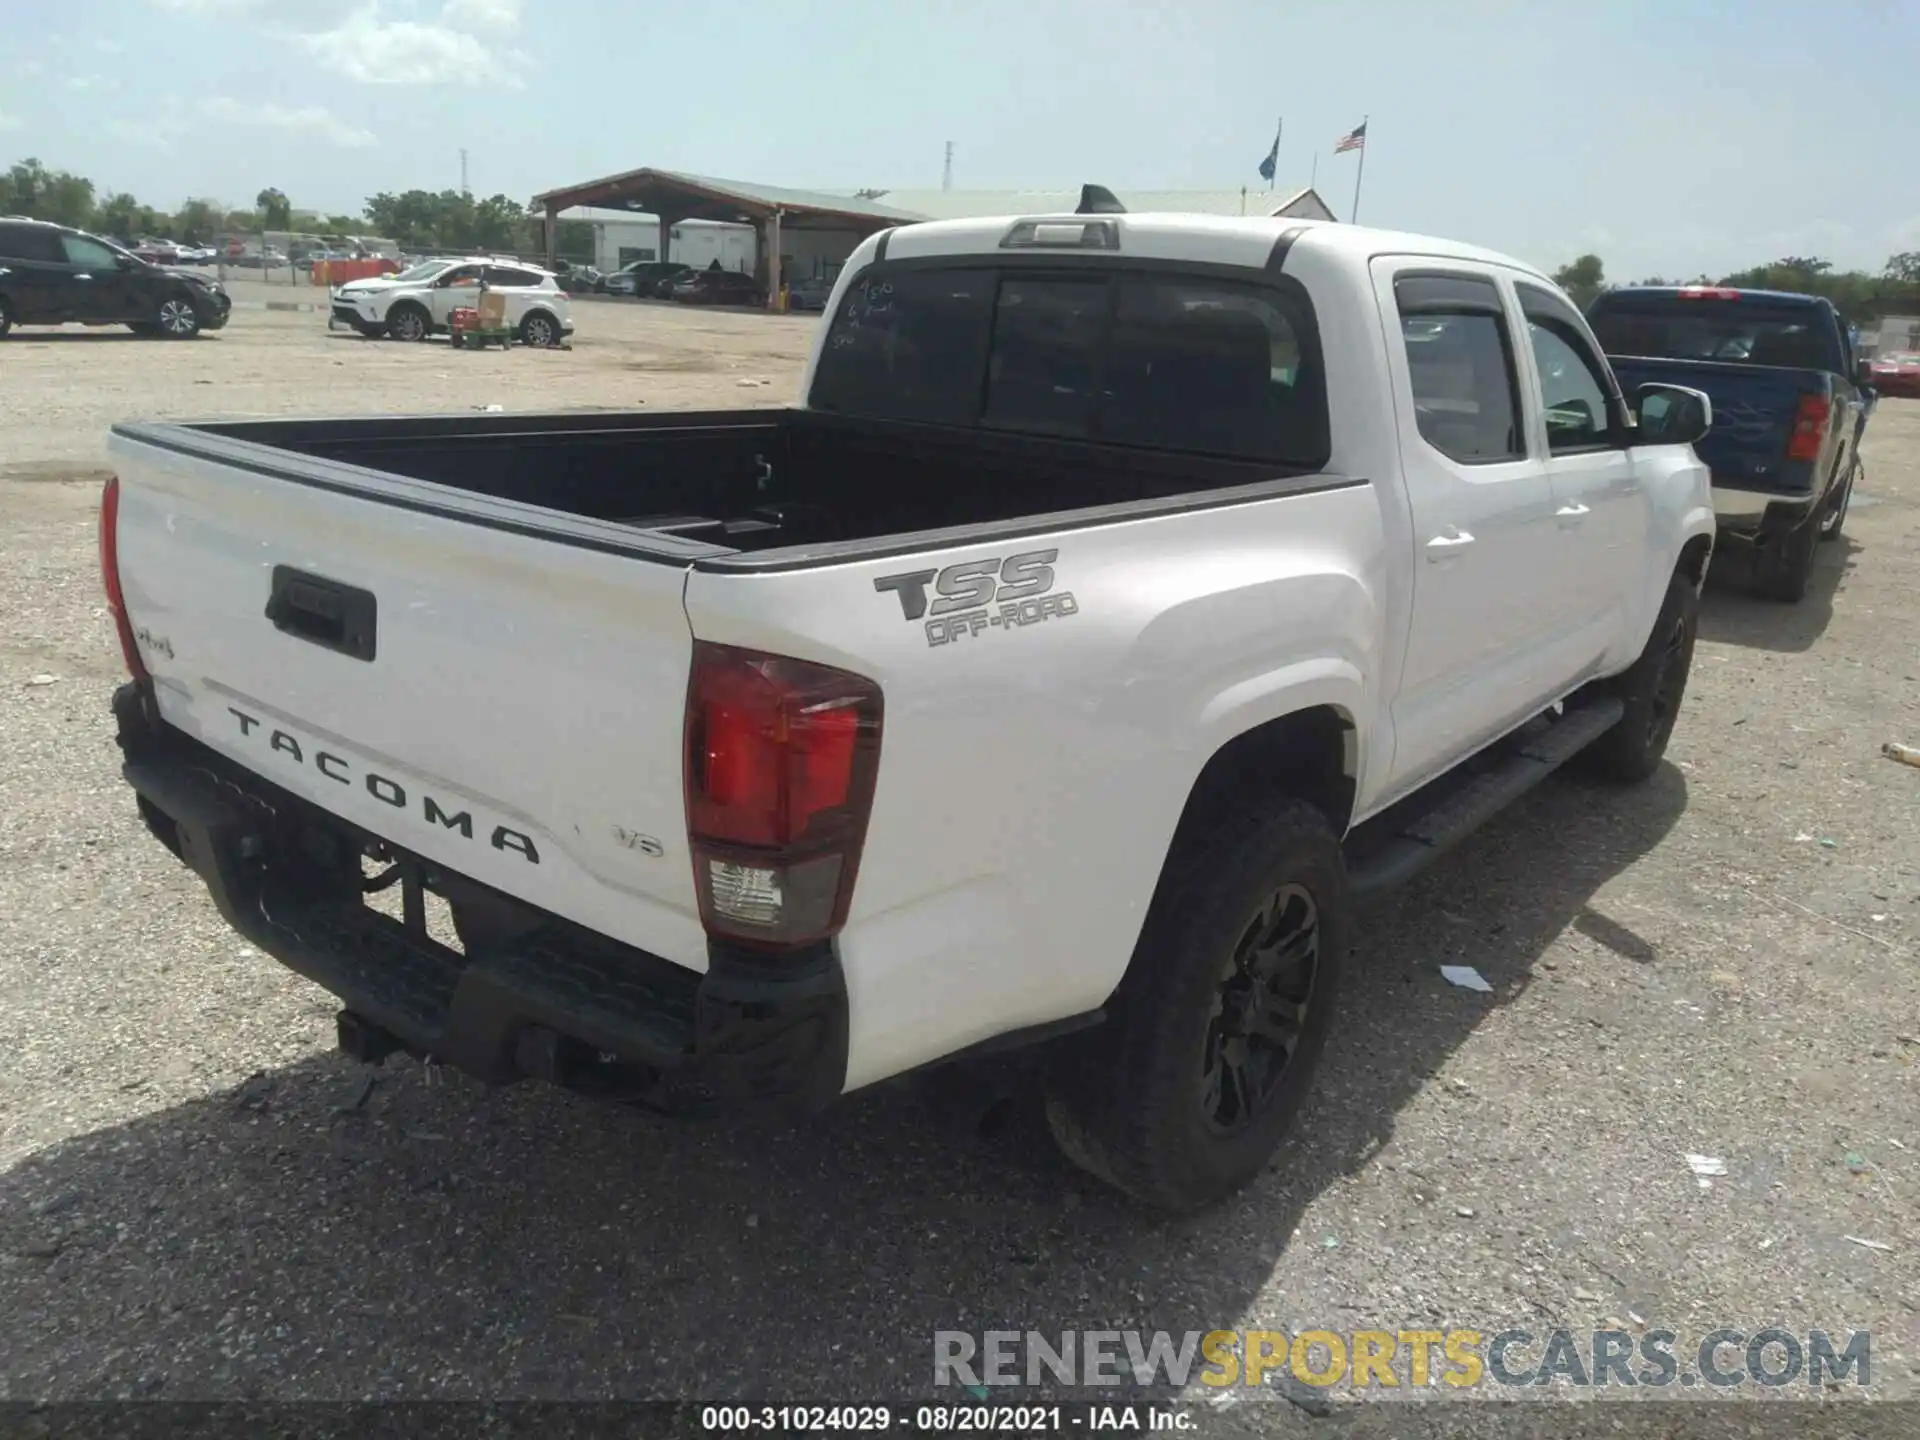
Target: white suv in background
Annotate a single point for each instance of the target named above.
(421, 300)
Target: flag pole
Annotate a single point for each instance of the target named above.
(1361, 173)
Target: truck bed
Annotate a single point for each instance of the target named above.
(718, 486)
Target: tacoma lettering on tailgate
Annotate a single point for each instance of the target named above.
(976, 596)
(383, 788)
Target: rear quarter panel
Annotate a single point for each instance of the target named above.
(1031, 775)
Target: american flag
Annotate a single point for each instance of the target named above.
(1355, 139)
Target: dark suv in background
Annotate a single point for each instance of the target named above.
(51, 275)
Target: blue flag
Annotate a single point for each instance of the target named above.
(1273, 157)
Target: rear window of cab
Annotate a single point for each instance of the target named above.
(1159, 361)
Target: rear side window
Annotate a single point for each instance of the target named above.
(30, 242)
(1183, 364)
(1738, 332)
(1466, 393)
(518, 279)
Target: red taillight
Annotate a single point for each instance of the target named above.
(781, 757)
(1809, 428)
(1708, 292)
(110, 577)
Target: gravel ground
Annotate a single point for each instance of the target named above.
(194, 1206)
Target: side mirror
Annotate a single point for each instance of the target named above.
(1672, 414)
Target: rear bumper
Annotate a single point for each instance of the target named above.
(557, 1003)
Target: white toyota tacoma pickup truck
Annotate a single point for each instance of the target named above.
(1129, 597)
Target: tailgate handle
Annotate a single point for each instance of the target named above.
(323, 612)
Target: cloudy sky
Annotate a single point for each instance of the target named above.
(1671, 137)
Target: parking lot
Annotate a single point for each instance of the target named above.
(1721, 962)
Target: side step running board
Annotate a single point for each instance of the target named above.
(1420, 838)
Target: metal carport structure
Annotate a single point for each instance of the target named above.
(674, 197)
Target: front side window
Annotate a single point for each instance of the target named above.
(1576, 395)
(1466, 394)
(1571, 395)
(88, 253)
(462, 275)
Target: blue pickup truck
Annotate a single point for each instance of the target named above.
(1789, 405)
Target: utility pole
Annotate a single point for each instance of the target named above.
(946, 175)
(465, 189)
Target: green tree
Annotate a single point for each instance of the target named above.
(345, 224)
(57, 195)
(1584, 279)
(499, 223)
(1904, 267)
(119, 217)
(276, 211)
(197, 221)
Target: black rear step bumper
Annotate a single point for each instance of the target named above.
(558, 1003)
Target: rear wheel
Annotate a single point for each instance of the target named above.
(1186, 1091)
(540, 330)
(178, 320)
(407, 321)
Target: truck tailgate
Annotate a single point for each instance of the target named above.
(499, 703)
(1753, 411)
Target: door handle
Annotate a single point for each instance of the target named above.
(1445, 547)
(1574, 513)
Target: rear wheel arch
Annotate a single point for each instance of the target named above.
(1311, 754)
(1694, 556)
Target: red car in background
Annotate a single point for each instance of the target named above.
(1897, 373)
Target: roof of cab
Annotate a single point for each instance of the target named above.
(1219, 239)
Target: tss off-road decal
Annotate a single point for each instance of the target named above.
(976, 596)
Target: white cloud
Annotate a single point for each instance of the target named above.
(373, 51)
(497, 17)
(158, 133)
(28, 68)
(312, 120)
(10, 122)
(92, 82)
(206, 7)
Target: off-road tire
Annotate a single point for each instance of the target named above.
(1652, 689)
(1127, 1100)
(1783, 565)
(403, 319)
